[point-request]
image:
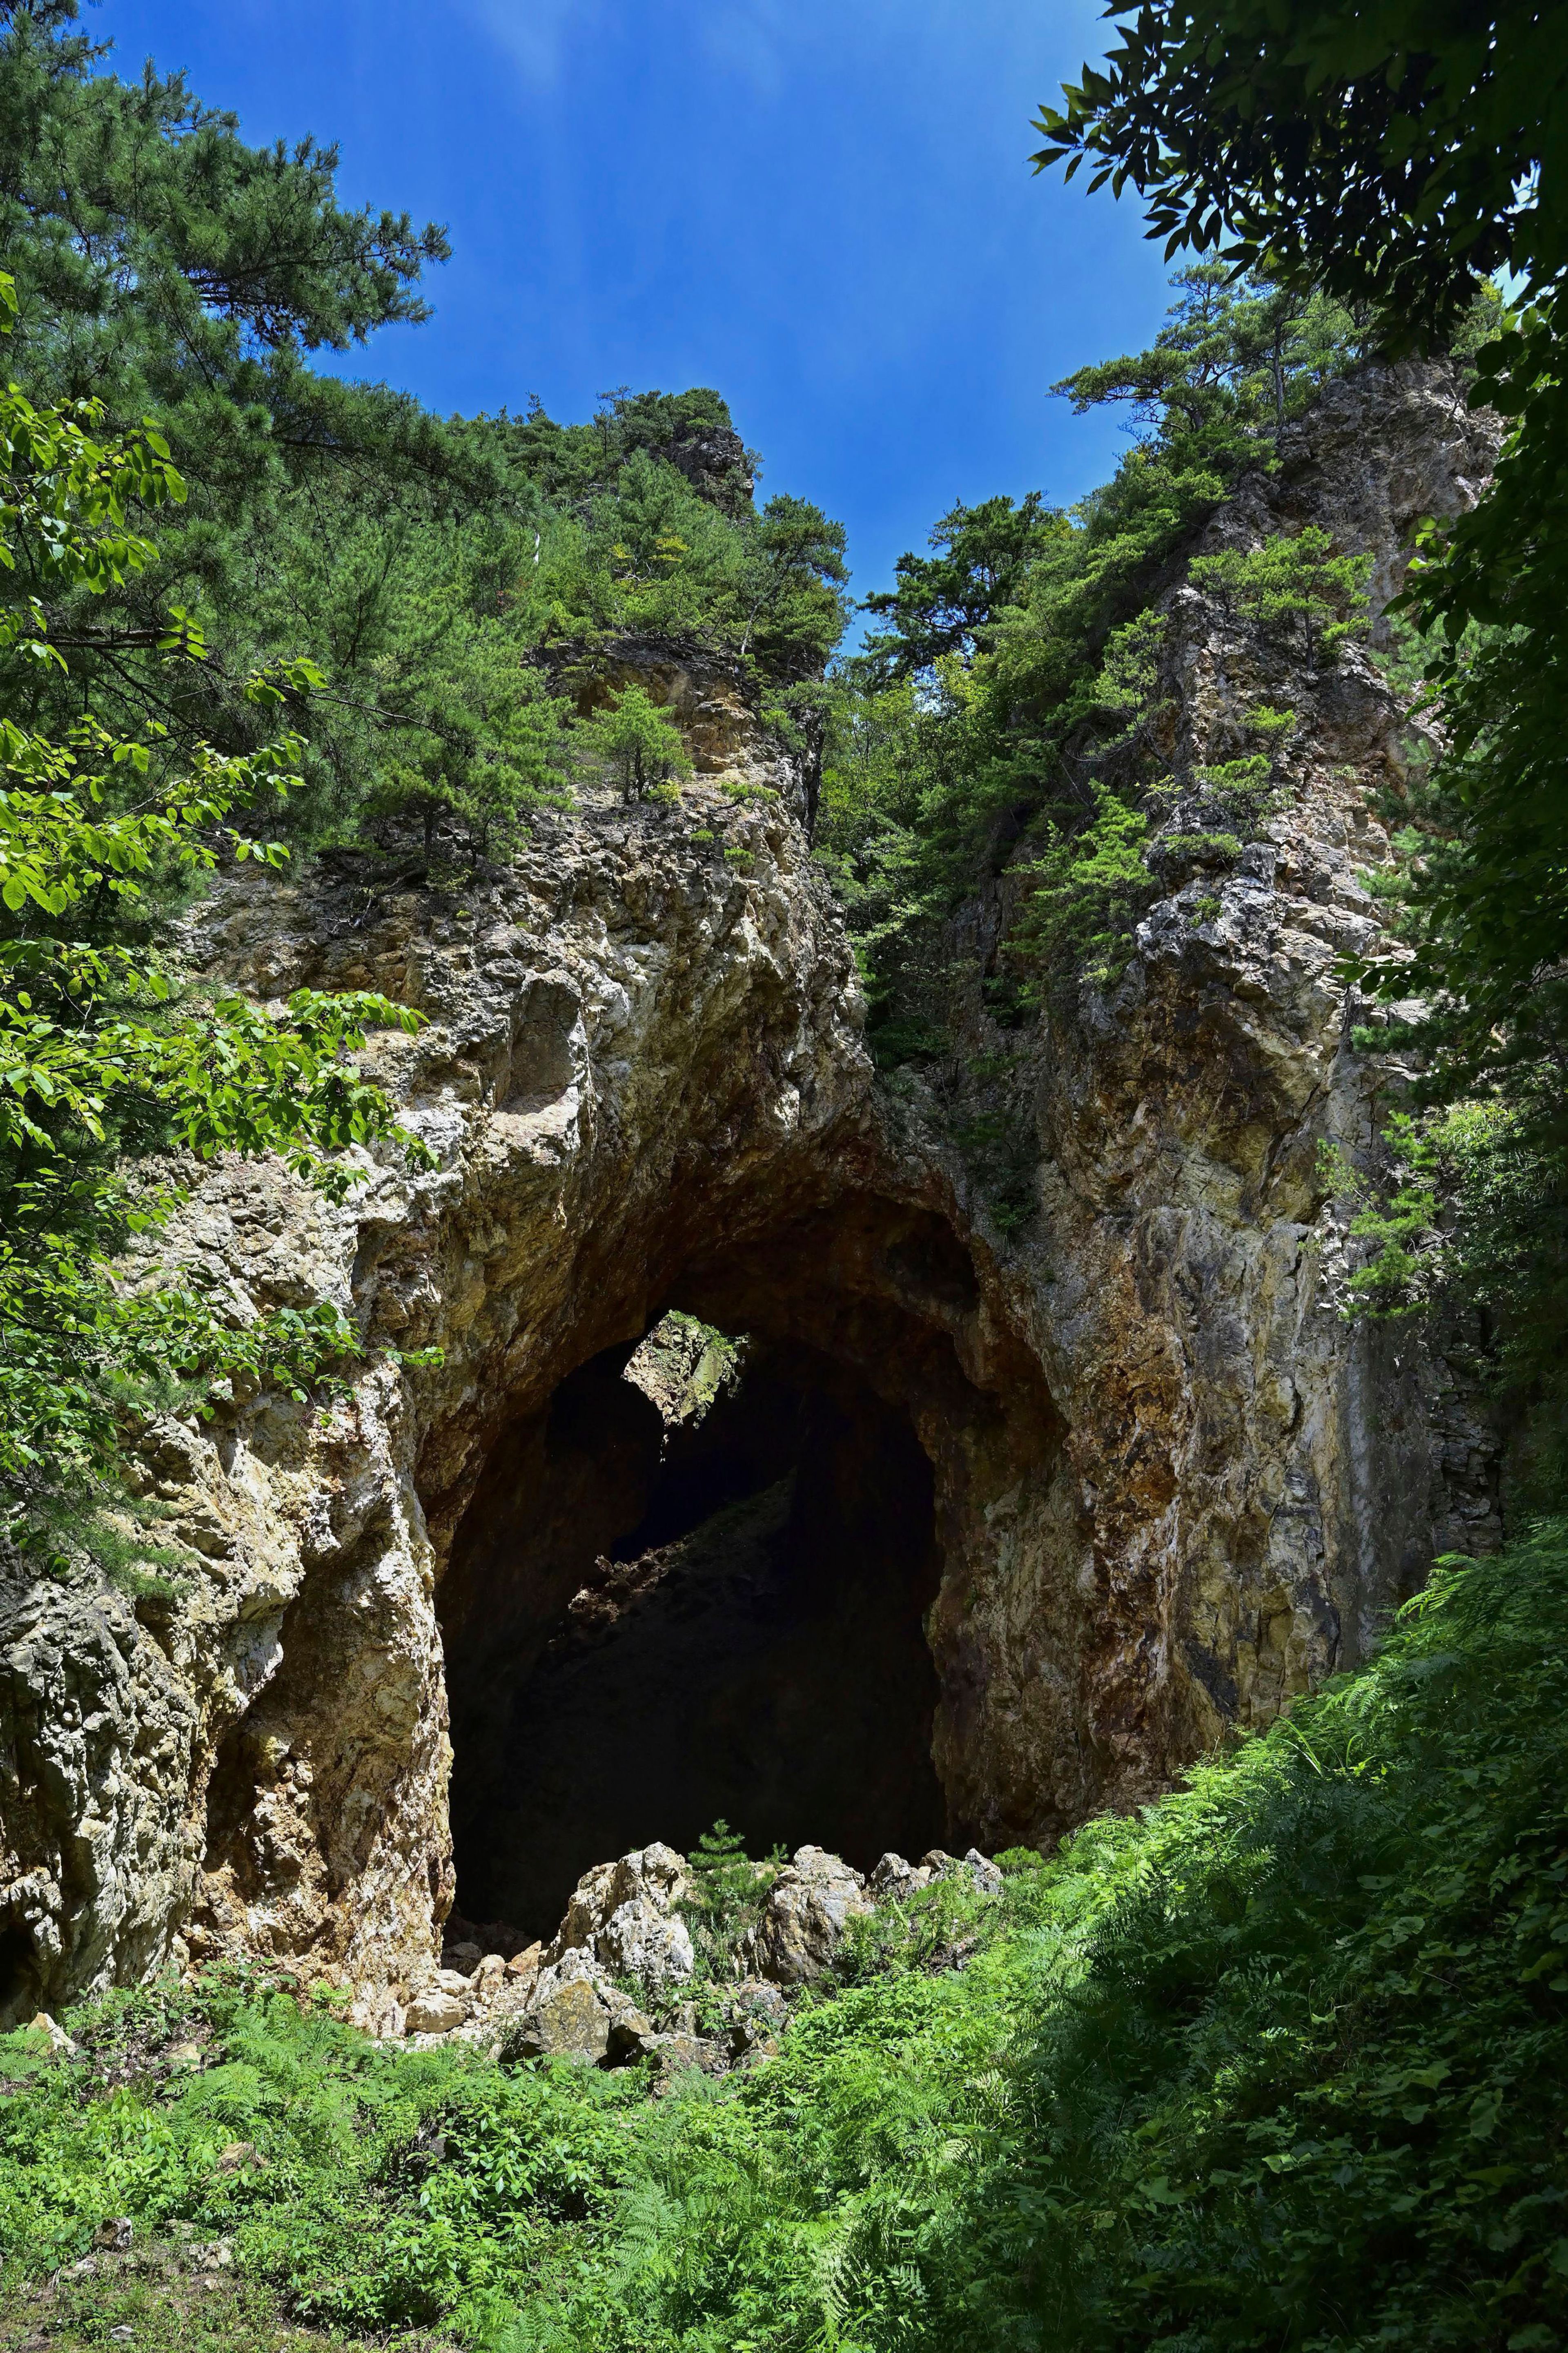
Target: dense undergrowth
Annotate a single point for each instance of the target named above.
(1279, 2063)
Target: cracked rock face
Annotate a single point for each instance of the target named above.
(624, 1915)
(803, 1922)
(1172, 1486)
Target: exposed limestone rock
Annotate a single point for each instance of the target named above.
(895, 1879)
(97, 1739)
(578, 2005)
(804, 1920)
(623, 1916)
(639, 1941)
(570, 2017)
(56, 2041)
(577, 2011)
(435, 2013)
(1258, 1483)
(682, 1368)
(983, 1872)
(1379, 449)
(378, 2012)
(708, 696)
(1172, 1488)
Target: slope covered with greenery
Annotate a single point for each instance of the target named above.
(246, 607)
(1279, 2063)
(105, 1057)
(1005, 718)
(451, 577)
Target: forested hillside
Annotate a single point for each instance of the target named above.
(237, 590)
(445, 574)
(1006, 712)
(1277, 2061)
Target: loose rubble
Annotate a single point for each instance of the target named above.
(619, 1981)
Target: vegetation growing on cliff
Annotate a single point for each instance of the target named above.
(288, 589)
(1008, 716)
(1277, 2064)
(1280, 2062)
(446, 575)
(103, 1055)
(1392, 156)
(1337, 186)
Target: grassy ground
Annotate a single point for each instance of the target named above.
(156, 2304)
(1281, 2065)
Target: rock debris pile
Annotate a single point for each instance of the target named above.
(621, 1980)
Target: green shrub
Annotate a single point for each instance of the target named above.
(1297, 2077)
(1087, 890)
(639, 743)
(1291, 577)
(391, 2187)
(1277, 2064)
(729, 1892)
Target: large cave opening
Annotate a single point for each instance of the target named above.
(693, 1587)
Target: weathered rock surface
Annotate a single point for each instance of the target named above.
(576, 2011)
(624, 1916)
(895, 1879)
(706, 695)
(436, 2012)
(610, 2000)
(804, 1920)
(1172, 1487)
(570, 2017)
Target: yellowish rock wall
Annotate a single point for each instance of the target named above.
(1173, 1487)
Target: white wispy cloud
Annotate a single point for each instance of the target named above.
(535, 35)
(761, 43)
(756, 40)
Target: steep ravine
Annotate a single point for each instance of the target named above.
(1076, 1497)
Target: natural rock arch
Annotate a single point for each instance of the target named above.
(1169, 1486)
(858, 1400)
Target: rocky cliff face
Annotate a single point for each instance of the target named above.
(1168, 1485)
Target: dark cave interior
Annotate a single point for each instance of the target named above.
(653, 1622)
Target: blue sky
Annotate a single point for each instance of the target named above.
(824, 210)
